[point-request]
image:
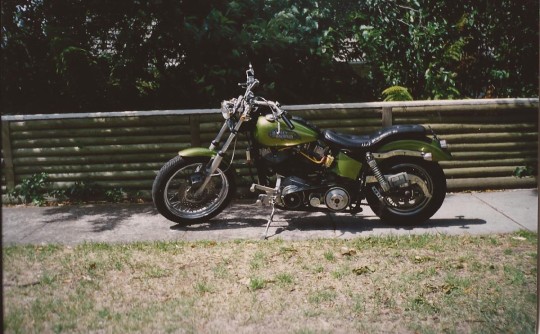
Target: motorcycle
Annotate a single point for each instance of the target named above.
(300, 167)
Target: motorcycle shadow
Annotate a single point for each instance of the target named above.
(342, 224)
(286, 223)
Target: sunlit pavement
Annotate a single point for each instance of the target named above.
(461, 213)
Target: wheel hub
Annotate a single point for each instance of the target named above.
(405, 197)
(190, 195)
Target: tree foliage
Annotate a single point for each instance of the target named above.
(80, 55)
(450, 49)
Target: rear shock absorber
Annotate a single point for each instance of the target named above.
(378, 175)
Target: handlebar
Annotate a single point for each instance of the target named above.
(277, 111)
(250, 83)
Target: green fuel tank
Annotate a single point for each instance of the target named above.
(267, 133)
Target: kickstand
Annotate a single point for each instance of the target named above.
(272, 203)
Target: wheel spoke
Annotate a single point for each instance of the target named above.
(180, 196)
(412, 198)
(415, 202)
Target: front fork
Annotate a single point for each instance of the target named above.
(213, 165)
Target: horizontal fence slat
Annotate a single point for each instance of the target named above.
(502, 146)
(83, 123)
(94, 150)
(108, 175)
(491, 137)
(101, 132)
(90, 168)
(94, 141)
(96, 159)
(522, 161)
(480, 155)
(466, 120)
(480, 171)
(482, 128)
(145, 185)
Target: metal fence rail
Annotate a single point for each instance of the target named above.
(489, 139)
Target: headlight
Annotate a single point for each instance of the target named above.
(227, 109)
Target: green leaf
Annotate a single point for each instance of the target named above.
(396, 93)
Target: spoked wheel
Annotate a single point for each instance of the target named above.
(175, 190)
(414, 203)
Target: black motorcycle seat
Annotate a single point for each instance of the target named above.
(355, 142)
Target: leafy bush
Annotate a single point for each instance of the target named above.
(114, 195)
(32, 189)
(523, 171)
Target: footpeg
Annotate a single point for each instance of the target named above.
(256, 186)
(263, 200)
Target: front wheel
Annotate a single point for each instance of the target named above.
(175, 190)
(414, 203)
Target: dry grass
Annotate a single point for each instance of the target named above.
(425, 284)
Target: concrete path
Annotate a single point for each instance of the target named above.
(461, 213)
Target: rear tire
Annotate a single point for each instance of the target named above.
(174, 196)
(409, 205)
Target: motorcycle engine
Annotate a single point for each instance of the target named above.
(292, 193)
(302, 160)
(296, 192)
(303, 167)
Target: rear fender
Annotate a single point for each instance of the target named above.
(430, 151)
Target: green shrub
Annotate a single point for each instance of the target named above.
(114, 195)
(32, 189)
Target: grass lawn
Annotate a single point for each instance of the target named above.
(416, 284)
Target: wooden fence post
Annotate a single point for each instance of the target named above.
(386, 116)
(8, 156)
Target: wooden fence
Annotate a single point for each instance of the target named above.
(488, 138)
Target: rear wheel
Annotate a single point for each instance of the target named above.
(416, 202)
(175, 190)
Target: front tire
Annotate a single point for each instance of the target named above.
(409, 205)
(175, 186)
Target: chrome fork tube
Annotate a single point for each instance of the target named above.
(217, 159)
(215, 142)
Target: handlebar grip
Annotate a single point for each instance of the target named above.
(287, 121)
